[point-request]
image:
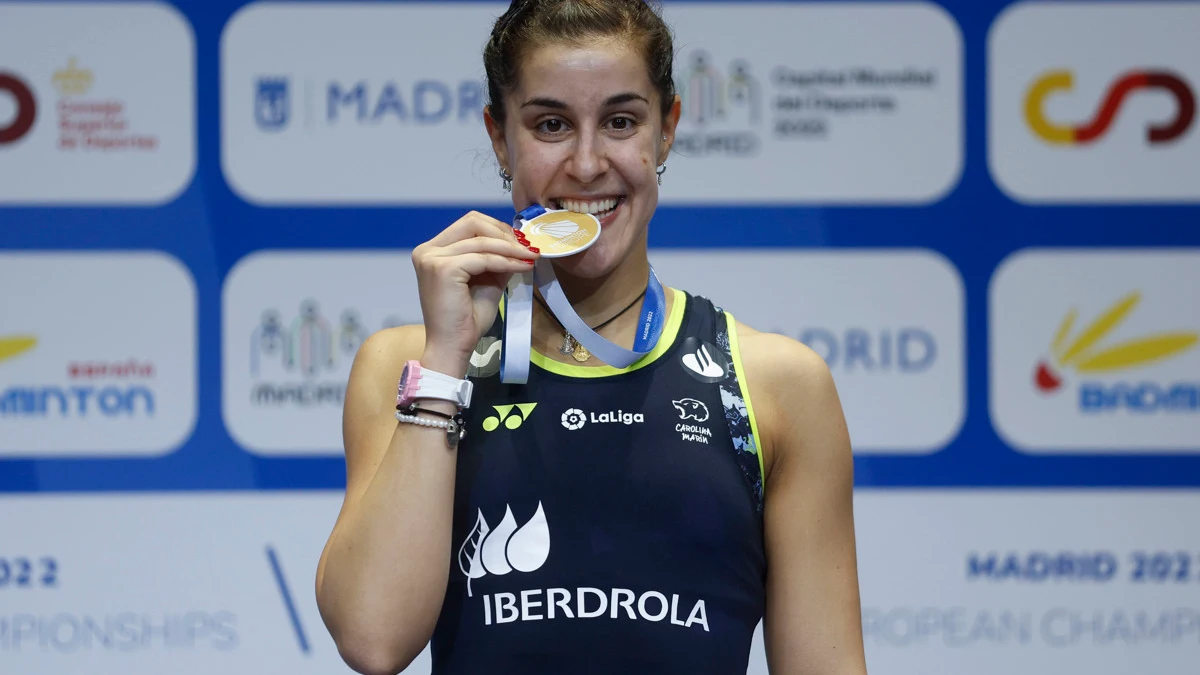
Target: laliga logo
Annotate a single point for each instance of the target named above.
(1058, 134)
(1080, 354)
(506, 548)
(14, 346)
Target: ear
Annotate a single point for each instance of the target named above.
(495, 131)
(670, 123)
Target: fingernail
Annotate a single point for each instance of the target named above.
(528, 262)
(521, 237)
(534, 249)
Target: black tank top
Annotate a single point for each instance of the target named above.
(608, 520)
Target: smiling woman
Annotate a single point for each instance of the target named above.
(599, 516)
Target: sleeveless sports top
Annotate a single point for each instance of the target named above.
(608, 520)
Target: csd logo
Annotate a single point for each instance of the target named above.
(505, 414)
(1063, 80)
(691, 409)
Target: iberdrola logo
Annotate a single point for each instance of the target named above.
(507, 548)
(1086, 354)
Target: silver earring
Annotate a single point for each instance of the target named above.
(662, 168)
(507, 178)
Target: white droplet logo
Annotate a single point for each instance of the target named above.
(506, 548)
(529, 546)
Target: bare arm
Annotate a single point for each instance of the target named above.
(813, 623)
(382, 576)
(383, 573)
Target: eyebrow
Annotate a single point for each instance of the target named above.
(616, 99)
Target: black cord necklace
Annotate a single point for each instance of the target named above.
(570, 345)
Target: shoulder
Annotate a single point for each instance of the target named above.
(382, 356)
(790, 387)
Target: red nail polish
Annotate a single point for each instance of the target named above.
(527, 262)
(535, 250)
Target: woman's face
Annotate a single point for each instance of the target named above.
(585, 133)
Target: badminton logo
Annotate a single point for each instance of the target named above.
(1084, 351)
(13, 346)
(505, 548)
(1061, 81)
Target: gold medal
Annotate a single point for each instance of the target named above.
(558, 234)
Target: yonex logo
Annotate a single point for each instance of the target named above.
(1063, 80)
(506, 548)
(1082, 355)
(573, 419)
(16, 345)
(504, 414)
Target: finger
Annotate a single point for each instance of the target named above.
(475, 264)
(511, 249)
(473, 224)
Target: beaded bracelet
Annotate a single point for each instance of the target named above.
(455, 429)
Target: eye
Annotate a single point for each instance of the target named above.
(621, 123)
(552, 126)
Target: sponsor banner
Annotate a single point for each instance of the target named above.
(951, 582)
(895, 348)
(1096, 351)
(97, 354)
(203, 584)
(1107, 583)
(1095, 102)
(291, 325)
(317, 118)
(357, 103)
(810, 103)
(97, 103)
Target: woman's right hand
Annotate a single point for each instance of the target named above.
(461, 275)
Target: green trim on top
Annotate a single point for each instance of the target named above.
(670, 332)
(735, 350)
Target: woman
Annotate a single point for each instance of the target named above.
(595, 519)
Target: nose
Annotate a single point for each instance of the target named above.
(589, 159)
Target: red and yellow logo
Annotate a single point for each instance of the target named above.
(15, 345)
(1085, 355)
(1063, 80)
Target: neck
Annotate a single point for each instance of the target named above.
(597, 300)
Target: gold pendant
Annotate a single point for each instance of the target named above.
(581, 353)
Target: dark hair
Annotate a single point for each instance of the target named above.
(532, 23)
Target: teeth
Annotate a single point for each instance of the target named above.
(588, 207)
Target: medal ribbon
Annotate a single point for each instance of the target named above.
(518, 319)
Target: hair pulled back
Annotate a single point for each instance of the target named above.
(529, 24)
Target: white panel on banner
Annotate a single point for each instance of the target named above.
(1095, 102)
(357, 103)
(97, 354)
(816, 102)
(890, 324)
(782, 103)
(291, 325)
(203, 584)
(952, 582)
(1097, 351)
(999, 583)
(97, 103)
